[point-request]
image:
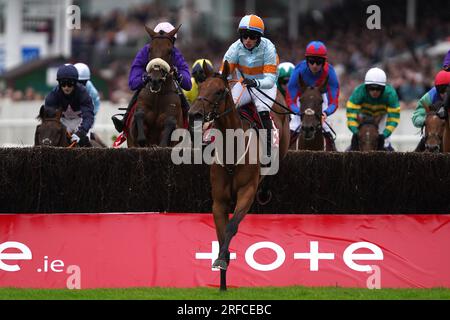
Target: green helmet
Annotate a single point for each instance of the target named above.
(285, 70)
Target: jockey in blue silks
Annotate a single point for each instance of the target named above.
(314, 71)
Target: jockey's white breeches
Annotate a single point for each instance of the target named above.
(242, 96)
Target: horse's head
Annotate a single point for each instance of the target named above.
(51, 132)
(213, 95)
(434, 129)
(311, 109)
(368, 136)
(160, 57)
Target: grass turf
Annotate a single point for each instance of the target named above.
(266, 293)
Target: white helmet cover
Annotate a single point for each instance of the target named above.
(83, 71)
(166, 27)
(376, 76)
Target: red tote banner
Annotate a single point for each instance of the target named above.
(177, 250)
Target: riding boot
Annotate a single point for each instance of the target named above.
(267, 124)
(421, 146)
(119, 124)
(329, 142)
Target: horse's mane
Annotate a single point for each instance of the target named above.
(434, 107)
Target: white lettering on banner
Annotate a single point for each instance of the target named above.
(313, 255)
(349, 255)
(250, 252)
(213, 255)
(374, 281)
(74, 280)
(25, 254)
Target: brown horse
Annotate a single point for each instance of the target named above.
(367, 138)
(230, 182)
(52, 133)
(158, 112)
(311, 135)
(434, 129)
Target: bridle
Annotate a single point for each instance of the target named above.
(214, 114)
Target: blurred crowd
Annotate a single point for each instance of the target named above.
(109, 42)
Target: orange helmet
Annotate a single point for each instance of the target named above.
(252, 22)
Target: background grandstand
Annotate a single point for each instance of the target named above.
(414, 37)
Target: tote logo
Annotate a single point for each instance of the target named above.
(22, 252)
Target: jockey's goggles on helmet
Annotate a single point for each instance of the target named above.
(374, 87)
(316, 60)
(66, 83)
(441, 88)
(249, 35)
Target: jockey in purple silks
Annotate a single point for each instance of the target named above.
(138, 77)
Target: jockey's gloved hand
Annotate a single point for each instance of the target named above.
(145, 78)
(442, 112)
(75, 138)
(176, 75)
(83, 140)
(250, 83)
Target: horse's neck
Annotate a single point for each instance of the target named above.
(232, 120)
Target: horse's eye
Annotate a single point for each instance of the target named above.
(218, 93)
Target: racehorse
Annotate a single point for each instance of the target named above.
(237, 181)
(434, 128)
(158, 107)
(311, 135)
(52, 132)
(367, 138)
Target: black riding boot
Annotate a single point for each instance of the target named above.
(119, 124)
(267, 124)
(329, 142)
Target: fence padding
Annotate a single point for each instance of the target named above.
(50, 180)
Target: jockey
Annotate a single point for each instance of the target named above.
(255, 58)
(375, 98)
(138, 77)
(198, 76)
(314, 71)
(284, 72)
(75, 102)
(84, 77)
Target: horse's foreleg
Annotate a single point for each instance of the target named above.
(170, 124)
(221, 211)
(139, 119)
(245, 197)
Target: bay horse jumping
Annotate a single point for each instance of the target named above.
(237, 181)
(51, 132)
(433, 131)
(158, 106)
(368, 137)
(311, 135)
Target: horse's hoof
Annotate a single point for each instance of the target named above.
(263, 197)
(220, 264)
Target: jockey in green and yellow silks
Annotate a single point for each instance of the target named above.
(375, 98)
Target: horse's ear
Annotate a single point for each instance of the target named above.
(225, 71)
(208, 71)
(377, 120)
(150, 31)
(172, 33)
(323, 87)
(427, 108)
(41, 112)
(302, 84)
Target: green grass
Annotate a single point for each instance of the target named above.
(266, 293)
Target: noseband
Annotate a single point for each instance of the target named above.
(214, 113)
